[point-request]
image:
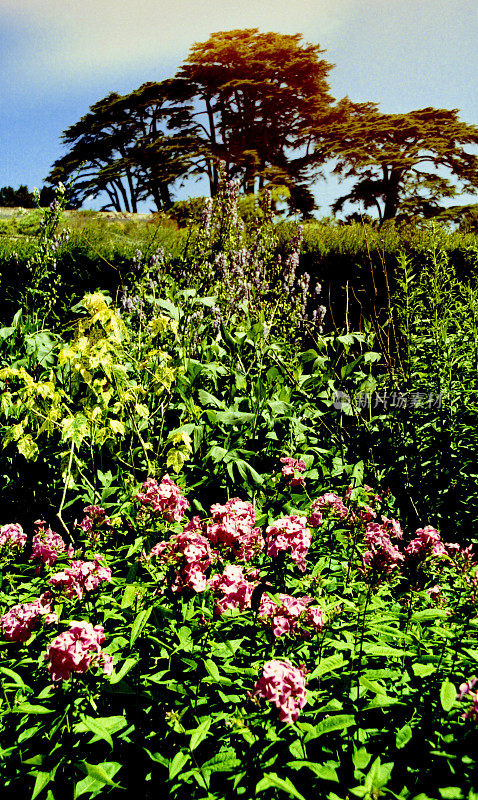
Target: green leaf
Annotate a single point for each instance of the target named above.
(336, 723)
(179, 761)
(328, 665)
(403, 736)
(95, 784)
(326, 772)
(212, 669)
(99, 773)
(139, 624)
(127, 665)
(129, 595)
(271, 780)
(199, 734)
(422, 670)
(42, 780)
(75, 429)
(447, 695)
(29, 708)
(95, 726)
(28, 448)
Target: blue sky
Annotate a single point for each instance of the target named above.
(57, 57)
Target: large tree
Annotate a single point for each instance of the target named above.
(253, 101)
(121, 148)
(402, 164)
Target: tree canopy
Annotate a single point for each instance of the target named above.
(261, 104)
(404, 164)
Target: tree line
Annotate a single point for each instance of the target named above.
(261, 104)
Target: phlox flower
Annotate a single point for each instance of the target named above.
(47, 545)
(233, 587)
(328, 502)
(12, 536)
(289, 534)
(81, 576)
(290, 615)
(284, 685)
(232, 527)
(95, 518)
(189, 555)
(289, 471)
(382, 557)
(465, 690)
(19, 622)
(427, 542)
(76, 649)
(163, 499)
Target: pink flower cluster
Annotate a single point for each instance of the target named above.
(95, 518)
(382, 557)
(76, 649)
(19, 622)
(427, 542)
(47, 545)
(289, 471)
(232, 527)
(163, 499)
(290, 615)
(283, 685)
(289, 534)
(234, 588)
(466, 690)
(189, 554)
(12, 536)
(81, 576)
(327, 502)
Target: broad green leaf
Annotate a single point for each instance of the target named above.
(328, 665)
(271, 780)
(178, 762)
(447, 695)
(95, 726)
(99, 774)
(139, 624)
(28, 448)
(42, 779)
(29, 708)
(422, 670)
(199, 734)
(75, 429)
(212, 669)
(129, 595)
(403, 736)
(336, 723)
(127, 665)
(324, 771)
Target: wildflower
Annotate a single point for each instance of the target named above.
(95, 518)
(189, 554)
(289, 534)
(427, 542)
(19, 622)
(290, 614)
(284, 685)
(289, 471)
(434, 592)
(382, 557)
(232, 527)
(12, 536)
(76, 649)
(81, 576)
(47, 545)
(234, 586)
(332, 503)
(163, 499)
(465, 690)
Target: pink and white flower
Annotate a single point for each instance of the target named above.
(285, 686)
(76, 650)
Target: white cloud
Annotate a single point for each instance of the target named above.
(75, 40)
